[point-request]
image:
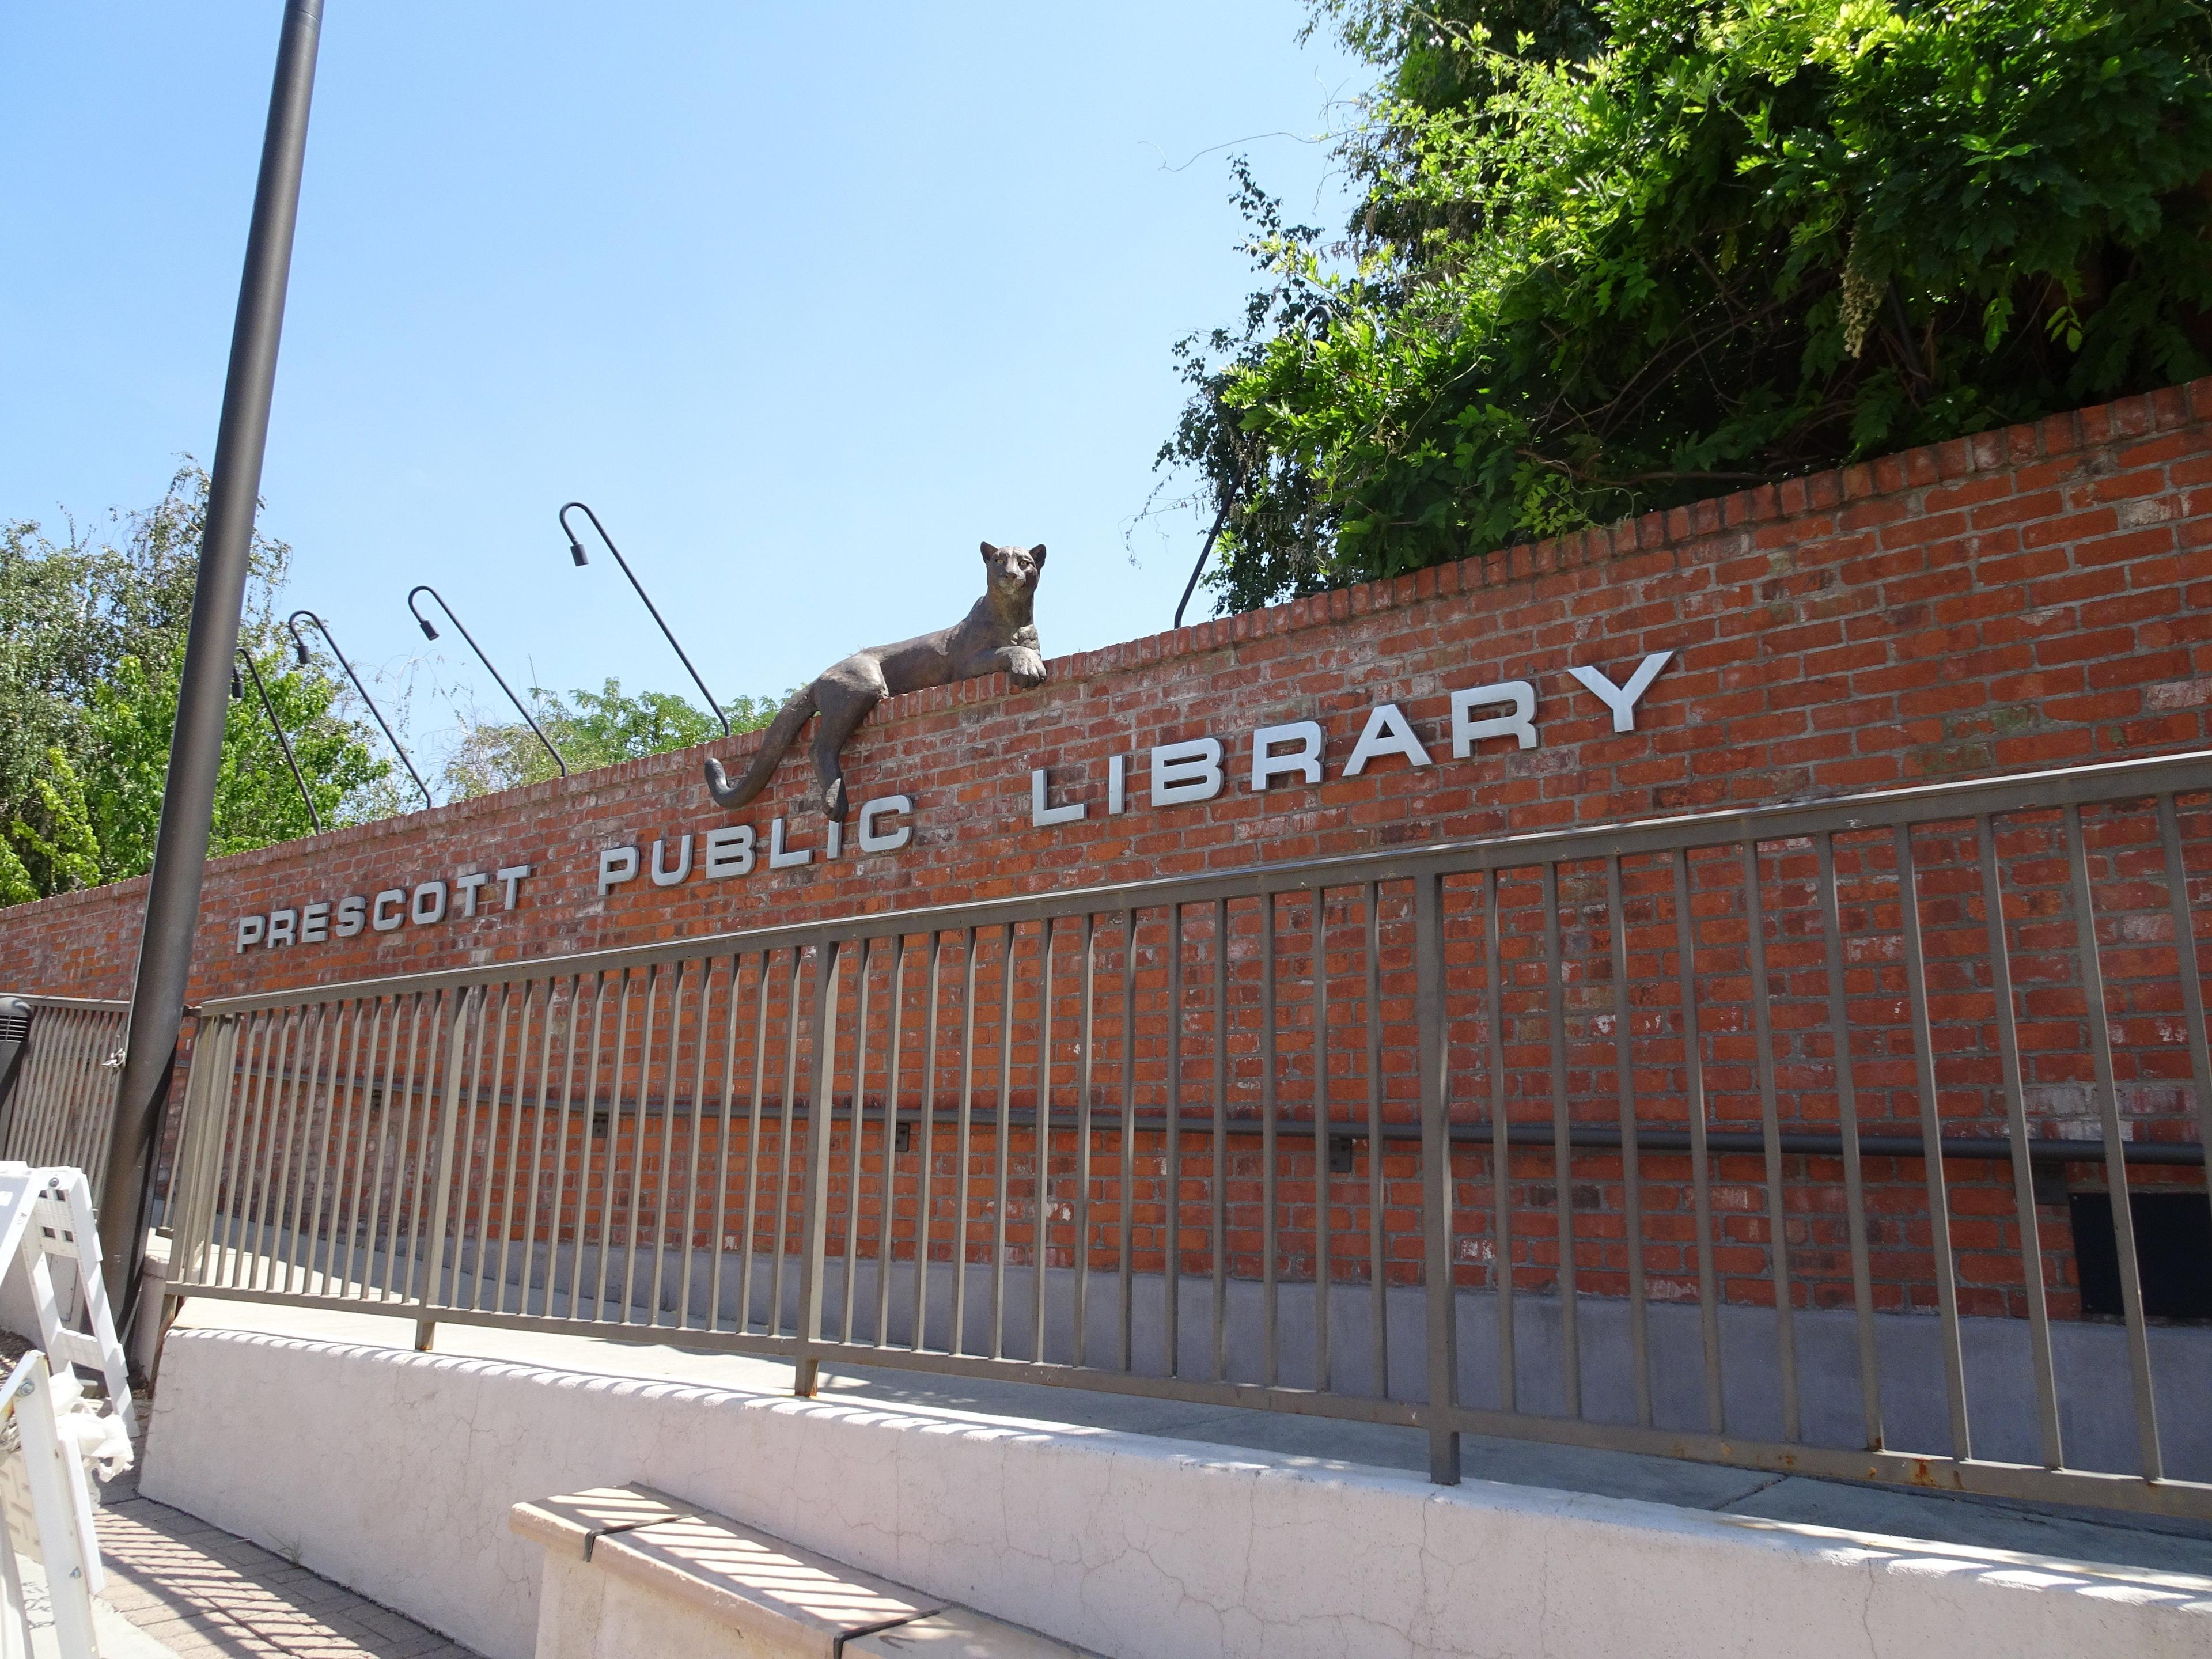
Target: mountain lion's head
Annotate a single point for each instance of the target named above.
(1013, 571)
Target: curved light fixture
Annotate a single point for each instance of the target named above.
(277, 726)
(576, 552)
(431, 633)
(323, 628)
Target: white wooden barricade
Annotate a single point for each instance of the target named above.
(49, 1430)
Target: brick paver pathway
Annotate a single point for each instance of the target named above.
(201, 1591)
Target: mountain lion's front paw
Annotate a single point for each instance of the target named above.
(1024, 665)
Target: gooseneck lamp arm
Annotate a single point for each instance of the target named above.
(576, 552)
(430, 633)
(323, 628)
(283, 742)
(1228, 501)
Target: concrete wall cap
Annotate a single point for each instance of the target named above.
(568, 1525)
(794, 1600)
(960, 1633)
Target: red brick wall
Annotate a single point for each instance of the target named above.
(2031, 598)
(2026, 598)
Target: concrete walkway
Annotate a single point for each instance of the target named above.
(197, 1592)
(179, 1589)
(2087, 1535)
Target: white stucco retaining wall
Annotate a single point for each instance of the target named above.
(392, 1471)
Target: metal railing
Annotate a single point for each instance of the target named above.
(1773, 1138)
(60, 1106)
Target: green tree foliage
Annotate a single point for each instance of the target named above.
(591, 729)
(1615, 257)
(92, 640)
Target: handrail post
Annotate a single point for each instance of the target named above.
(464, 1001)
(1439, 1300)
(814, 1221)
(197, 1129)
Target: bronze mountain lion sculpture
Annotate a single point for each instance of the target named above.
(996, 634)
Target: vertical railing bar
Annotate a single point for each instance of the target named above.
(762, 992)
(467, 1028)
(1847, 1125)
(292, 1154)
(2023, 1173)
(348, 1016)
(2192, 985)
(1042, 1203)
(1324, 1186)
(1563, 1185)
(61, 1102)
(513, 1144)
(1777, 1221)
(408, 1189)
(1220, 1234)
(1001, 1150)
(62, 1043)
(386, 1144)
(1931, 1129)
(1269, 1290)
(67, 1056)
(1501, 1164)
(887, 1185)
(637, 1134)
(1701, 1169)
(186, 1174)
(718, 1248)
(2116, 1169)
(584, 1157)
(1631, 1178)
(240, 1155)
(216, 1100)
(1083, 1110)
(1125, 1271)
(53, 1095)
(814, 1213)
(547, 1019)
(63, 1105)
(617, 1059)
(464, 1147)
(926, 1112)
(789, 1133)
(1171, 1277)
(860, 1123)
(1378, 1271)
(688, 1244)
(490, 1142)
(355, 1147)
(1440, 1298)
(964, 1126)
(678, 977)
(290, 1144)
(275, 1145)
(277, 1125)
(433, 1058)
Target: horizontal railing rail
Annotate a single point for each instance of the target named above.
(1863, 1137)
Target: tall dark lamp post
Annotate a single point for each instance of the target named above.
(430, 633)
(323, 628)
(173, 895)
(576, 552)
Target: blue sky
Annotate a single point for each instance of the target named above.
(805, 300)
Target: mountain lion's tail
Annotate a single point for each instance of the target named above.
(781, 734)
